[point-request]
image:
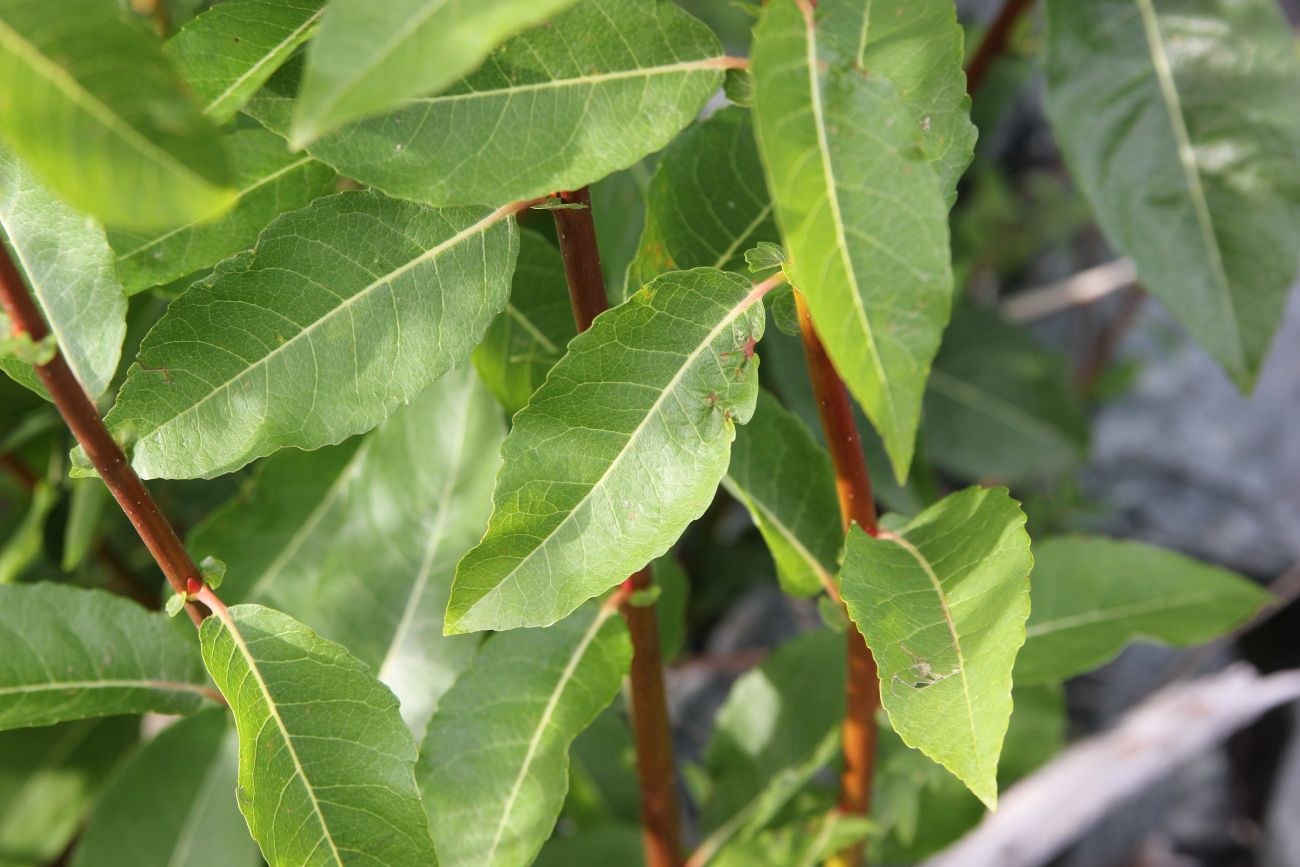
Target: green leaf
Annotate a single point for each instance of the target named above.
(674, 594)
(942, 603)
(919, 46)
(596, 89)
(213, 571)
(619, 844)
(1178, 122)
(778, 727)
(229, 51)
(707, 202)
(344, 310)
(49, 777)
(494, 767)
(270, 180)
(785, 480)
(764, 257)
(1092, 596)
(920, 808)
(804, 844)
(22, 547)
(645, 402)
(86, 501)
(999, 405)
(325, 761)
(530, 335)
(371, 58)
(360, 541)
(173, 803)
(65, 261)
(862, 217)
(95, 108)
(67, 653)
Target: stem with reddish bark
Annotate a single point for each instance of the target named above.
(853, 485)
(660, 817)
(994, 42)
(82, 417)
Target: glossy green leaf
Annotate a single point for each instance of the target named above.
(345, 310)
(1178, 122)
(942, 603)
(230, 51)
(325, 761)
(779, 726)
(91, 103)
(529, 336)
(494, 767)
(173, 803)
(619, 844)
(49, 778)
(999, 405)
(643, 409)
(1092, 596)
(270, 181)
(66, 263)
(372, 57)
(595, 89)
(360, 541)
(862, 217)
(707, 202)
(919, 46)
(785, 480)
(67, 653)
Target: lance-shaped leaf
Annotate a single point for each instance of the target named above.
(49, 778)
(94, 106)
(67, 653)
(862, 216)
(1092, 596)
(802, 844)
(596, 89)
(1178, 121)
(370, 58)
(66, 262)
(786, 482)
(360, 541)
(617, 452)
(270, 180)
(494, 767)
(779, 726)
(22, 547)
(942, 604)
(177, 797)
(707, 203)
(1000, 405)
(345, 309)
(919, 46)
(230, 51)
(326, 765)
(530, 335)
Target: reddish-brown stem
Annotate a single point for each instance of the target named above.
(661, 829)
(853, 485)
(994, 42)
(82, 417)
(581, 254)
(660, 817)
